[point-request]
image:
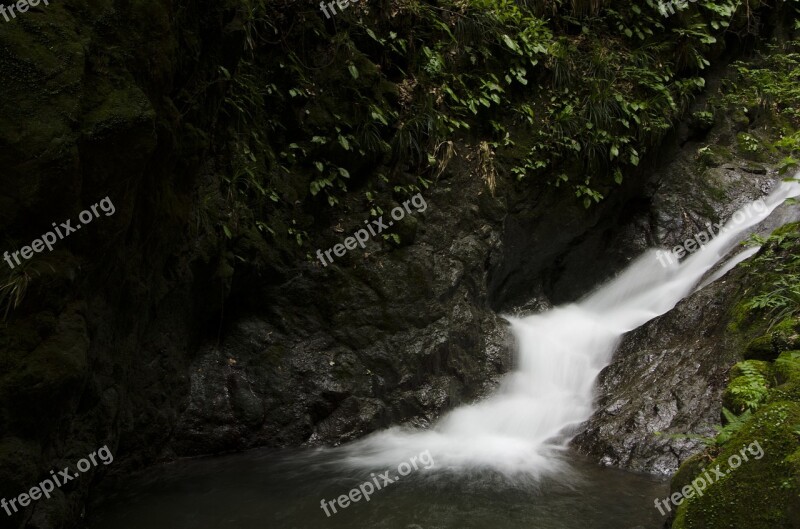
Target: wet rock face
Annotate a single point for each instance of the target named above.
(667, 377)
(665, 382)
(380, 337)
(555, 251)
(255, 391)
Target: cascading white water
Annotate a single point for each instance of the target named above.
(561, 352)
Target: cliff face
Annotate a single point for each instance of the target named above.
(102, 99)
(377, 338)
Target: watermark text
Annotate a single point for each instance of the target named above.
(56, 480)
(366, 489)
(700, 483)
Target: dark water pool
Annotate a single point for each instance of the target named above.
(282, 490)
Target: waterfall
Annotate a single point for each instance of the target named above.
(537, 408)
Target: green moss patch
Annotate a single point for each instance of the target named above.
(757, 493)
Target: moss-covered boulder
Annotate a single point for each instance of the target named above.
(755, 482)
(787, 367)
(784, 336)
(787, 378)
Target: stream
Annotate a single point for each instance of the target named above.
(265, 489)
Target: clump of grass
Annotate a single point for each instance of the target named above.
(14, 287)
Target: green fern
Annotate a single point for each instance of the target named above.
(750, 387)
(734, 424)
(724, 433)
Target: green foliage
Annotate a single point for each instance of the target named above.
(789, 145)
(703, 119)
(776, 270)
(769, 83)
(748, 143)
(607, 93)
(734, 423)
(566, 93)
(750, 388)
(767, 86)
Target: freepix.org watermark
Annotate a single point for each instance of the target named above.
(700, 483)
(343, 4)
(49, 239)
(22, 7)
(361, 236)
(366, 489)
(57, 480)
(668, 8)
(704, 237)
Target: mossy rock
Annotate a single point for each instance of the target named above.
(765, 368)
(687, 471)
(793, 509)
(784, 337)
(787, 376)
(758, 485)
(702, 120)
(787, 367)
(714, 155)
(761, 349)
(741, 317)
(740, 120)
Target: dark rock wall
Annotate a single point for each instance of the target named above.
(102, 99)
(377, 338)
